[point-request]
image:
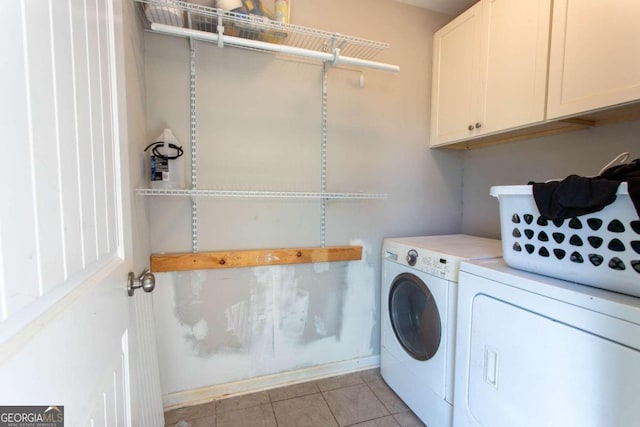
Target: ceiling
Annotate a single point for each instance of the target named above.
(452, 7)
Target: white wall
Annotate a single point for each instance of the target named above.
(137, 131)
(259, 128)
(582, 153)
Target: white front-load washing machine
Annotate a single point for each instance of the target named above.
(536, 351)
(418, 309)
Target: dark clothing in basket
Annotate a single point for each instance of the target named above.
(575, 195)
(630, 173)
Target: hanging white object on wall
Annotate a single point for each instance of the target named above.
(166, 162)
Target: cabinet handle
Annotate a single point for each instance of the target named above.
(478, 125)
(470, 127)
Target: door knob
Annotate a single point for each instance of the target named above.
(478, 125)
(146, 281)
(470, 127)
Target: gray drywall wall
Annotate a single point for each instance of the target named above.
(259, 128)
(583, 153)
(137, 132)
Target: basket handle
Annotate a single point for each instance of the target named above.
(622, 158)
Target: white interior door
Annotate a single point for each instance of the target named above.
(68, 331)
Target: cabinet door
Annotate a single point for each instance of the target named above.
(595, 57)
(514, 57)
(456, 58)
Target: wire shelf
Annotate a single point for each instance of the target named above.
(182, 14)
(257, 194)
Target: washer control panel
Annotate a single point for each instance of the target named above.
(434, 265)
(439, 256)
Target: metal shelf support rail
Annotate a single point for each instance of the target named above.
(323, 156)
(194, 152)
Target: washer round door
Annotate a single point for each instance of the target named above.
(415, 318)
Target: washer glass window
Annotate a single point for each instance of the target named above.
(414, 316)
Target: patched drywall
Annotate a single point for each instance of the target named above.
(275, 305)
(258, 128)
(229, 325)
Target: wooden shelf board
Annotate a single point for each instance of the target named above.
(252, 258)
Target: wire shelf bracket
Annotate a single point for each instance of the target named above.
(250, 32)
(209, 193)
(195, 22)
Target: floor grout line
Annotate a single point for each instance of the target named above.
(271, 403)
(329, 406)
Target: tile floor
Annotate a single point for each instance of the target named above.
(359, 399)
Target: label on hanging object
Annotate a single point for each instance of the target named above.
(159, 169)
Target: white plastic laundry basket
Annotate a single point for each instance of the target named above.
(600, 249)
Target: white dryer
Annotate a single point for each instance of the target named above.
(536, 351)
(419, 288)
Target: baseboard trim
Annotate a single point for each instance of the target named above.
(207, 394)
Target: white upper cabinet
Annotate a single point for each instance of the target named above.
(595, 55)
(490, 70)
(456, 77)
(514, 53)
